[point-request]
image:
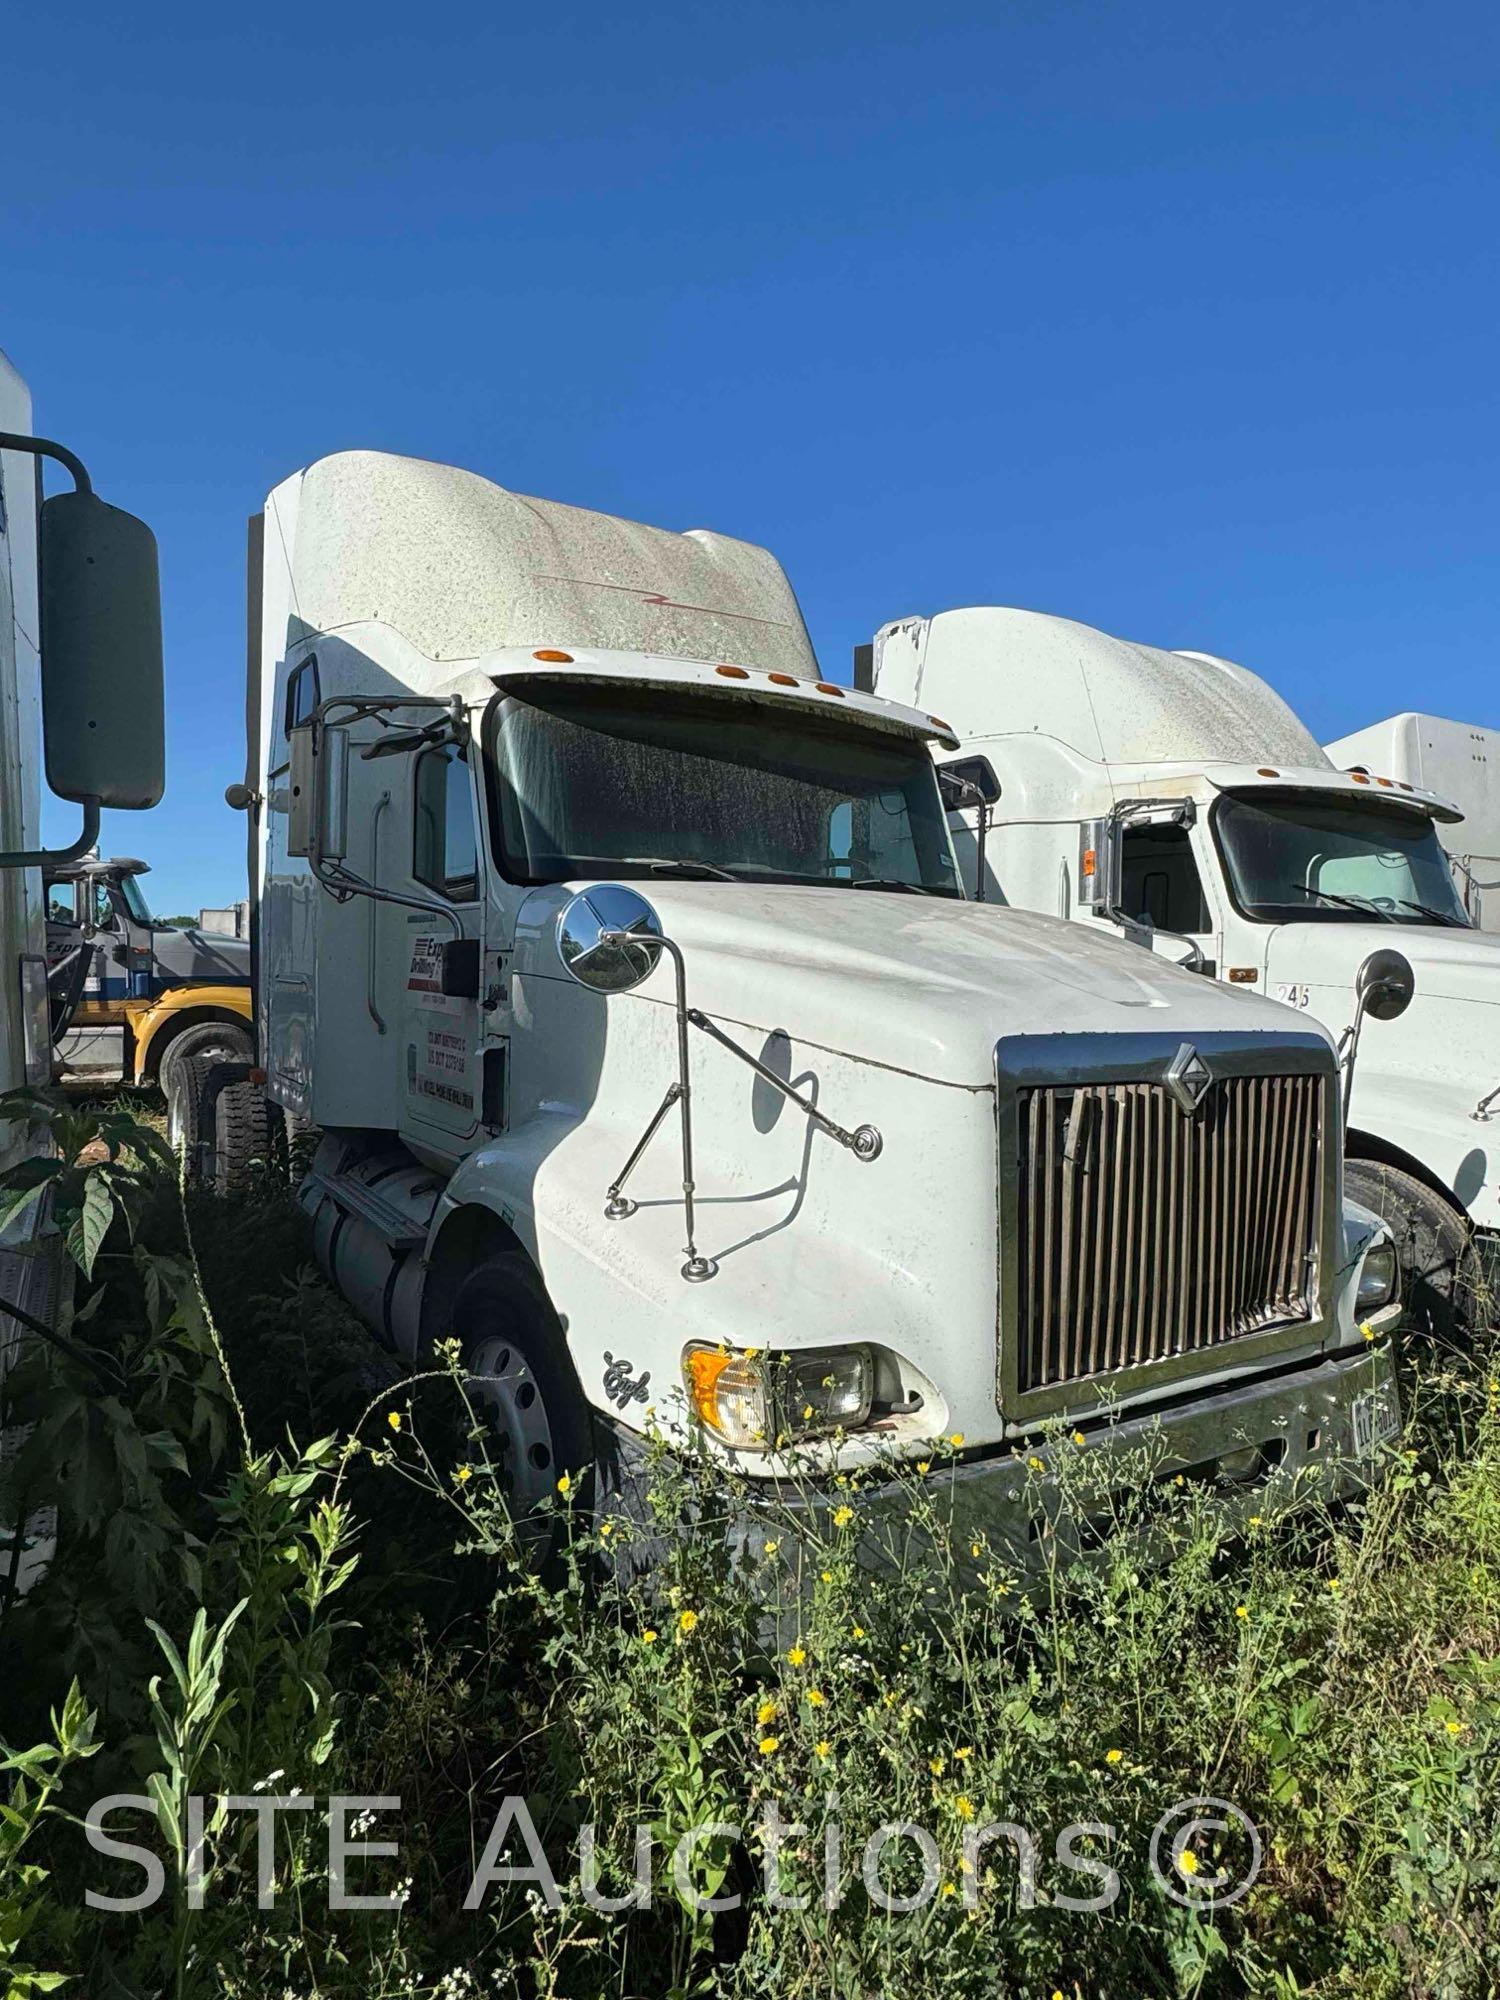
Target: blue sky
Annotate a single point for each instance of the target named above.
(1179, 319)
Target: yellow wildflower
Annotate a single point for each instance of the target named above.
(766, 1713)
(606, 1529)
(828, 1576)
(393, 1418)
(963, 1805)
(1335, 1584)
(650, 1636)
(962, 1753)
(924, 1466)
(1454, 1727)
(949, 1889)
(816, 1698)
(1367, 1330)
(1036, 1464)
(823, 1748)
(565, 1485)
(687, 1620)
(858, 1631)
(936, 1766)
(464, 1474)
(1113, 1756)
(956, 1438)
(1255, 1520)
(797, 1656)
(842, 1516)
(769, 1745)
(1187, 1862)
(1242, 1611)
(1079, 1438)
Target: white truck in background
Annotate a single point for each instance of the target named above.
(622, 963)
(1460, 761)
(1173, 798)
(81, 672)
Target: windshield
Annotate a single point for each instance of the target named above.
(135, 902)
(1298, 860)
(635, 781)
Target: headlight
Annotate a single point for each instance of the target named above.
(756, 1400)
(1379, 1278)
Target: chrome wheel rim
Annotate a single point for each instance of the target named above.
(506, 1394)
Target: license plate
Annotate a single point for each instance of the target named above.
(1377, 1419)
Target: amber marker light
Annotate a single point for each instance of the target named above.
(732, 673)
(551, 653)
(783, 680)
(827, 687)
(702, 1367)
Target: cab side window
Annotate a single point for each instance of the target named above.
(444, 853)
(1160, 883)
(61, 907)
(302, 694)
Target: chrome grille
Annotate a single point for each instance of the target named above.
(1146, 1232)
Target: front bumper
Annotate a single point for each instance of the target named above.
(1256, 1448)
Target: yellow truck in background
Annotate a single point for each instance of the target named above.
(170, 992)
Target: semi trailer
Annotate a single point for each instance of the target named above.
(622, 964)
(1460, 761)
(1175, 800)
(81, 693)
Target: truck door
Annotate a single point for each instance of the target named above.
(441, 1030)
(1160, 887)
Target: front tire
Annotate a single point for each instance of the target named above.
(521, 1384)
(222, 1040)
(1433, 1246)
(231, 1152)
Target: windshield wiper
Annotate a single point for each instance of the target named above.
(1437, 916)
(889, 882)
(690, 869)
(1359, 907)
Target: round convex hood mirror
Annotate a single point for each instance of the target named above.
(591, 950)
(1386, 984)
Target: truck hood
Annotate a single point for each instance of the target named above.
(1423, 1074)
(926, 985)
(199, 956)
(1449, 964)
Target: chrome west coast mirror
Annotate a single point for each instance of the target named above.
(589, 948)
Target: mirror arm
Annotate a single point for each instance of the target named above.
(51, 857)
(697, 1267)
(864, 1142)
(49, 448)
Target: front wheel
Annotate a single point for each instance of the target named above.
(222, 1040)
(1433, 1246)
(520, 1383)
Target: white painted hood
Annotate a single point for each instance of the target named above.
(1420, 1076)
(921, 984)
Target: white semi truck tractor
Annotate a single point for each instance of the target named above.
(1173, 798)
(622, 964)
(81, 690)
(1460, 761)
